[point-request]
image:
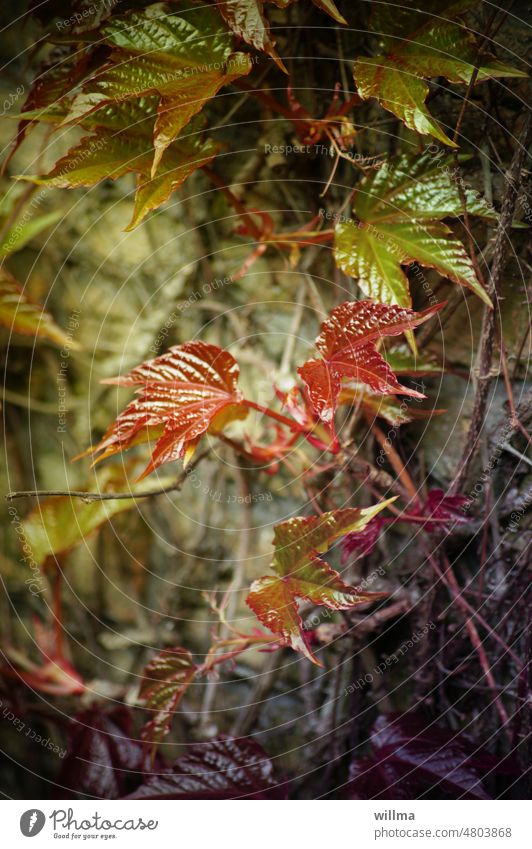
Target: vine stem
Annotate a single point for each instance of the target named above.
(241, 643)
(407, 517)
(57, 609)
(516, 423)
(272, 414)
(88, 497)
(459, 184)
(449, 579)
(299, 237)
(395, 462)
(488, 322)
(235, 202)
(229, 601)
(475, 72)
(287, 112)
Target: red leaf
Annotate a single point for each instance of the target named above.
(54, 675)
(362, 543)
(445, 509)
(181, 394)
(347, 348)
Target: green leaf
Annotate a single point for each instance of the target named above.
(385, 407)
(402, 361)
(121, 144)
(421, 44)
(26, 227)
(301, 573)
(184, 59)
(166, 677)
(21, 315)
(398, 210)
(297, 539)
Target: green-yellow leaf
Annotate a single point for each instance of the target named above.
(121, 144)
(301, 573)
(386, 407)
(397, 222)
(401, 359)
(165, 680)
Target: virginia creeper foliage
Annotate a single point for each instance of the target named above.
(148, 101)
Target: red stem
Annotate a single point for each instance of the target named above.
(268, 100)
(287, 112)
(406, 517)
(273, 415)
(448, 578)
(57, 609)
(511, 403)
(235, 202)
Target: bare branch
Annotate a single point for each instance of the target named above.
(89, 497)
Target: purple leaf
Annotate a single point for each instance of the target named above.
(101, 755)
(219, 769)
(355, 546)
(445, 509)
(415, 759)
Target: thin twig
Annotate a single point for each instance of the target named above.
(395, 462)
(459, 183)
(479, 648)
(487, 36)
(509, 392)
(450, 582)
(230, 598)
(88, 497)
